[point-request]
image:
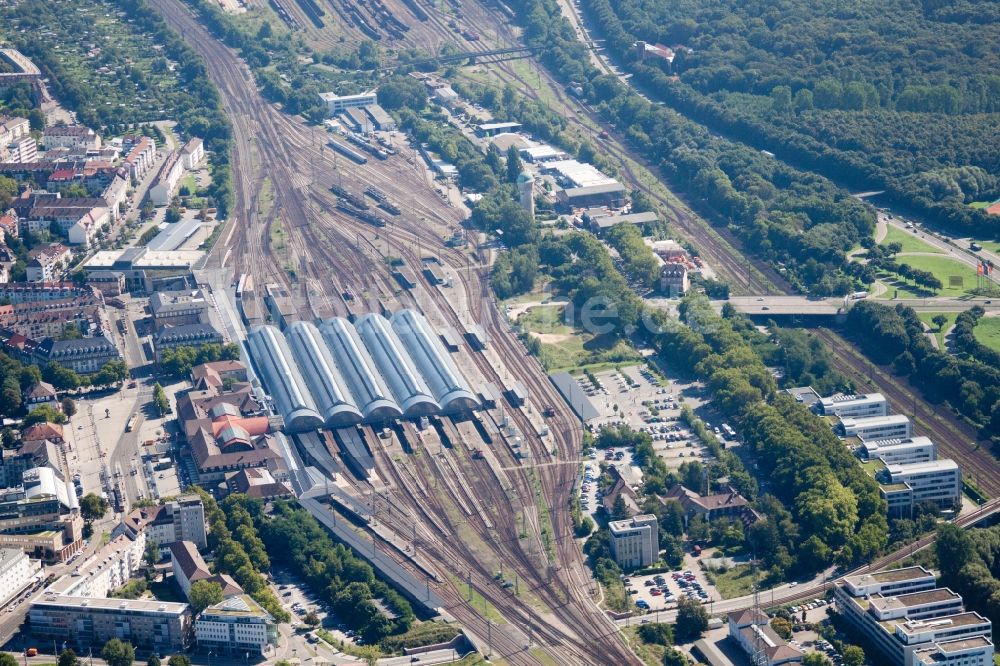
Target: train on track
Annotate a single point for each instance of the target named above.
(365, 145)
(365, 216)
(352, 199)
(349, 153)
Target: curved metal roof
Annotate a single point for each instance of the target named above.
(284, 381)
(359, 371)
(403, 379)
(322, 377)
(439, 370)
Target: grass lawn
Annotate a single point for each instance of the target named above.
(942, 267)
(926, 317)
(735, 582)
(981, 204)
(567, 348)
(987, 332)
(899, 289)
(910, 241)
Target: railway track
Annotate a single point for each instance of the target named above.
(260, 131)
(953, 438)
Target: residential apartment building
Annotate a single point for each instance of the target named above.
(13, 128)
(17, 572)
(73, 137)
(908, 620)
(899, 451)
(674, 279)
(192, 153)
(170, 173)
(76, 609)
(84, 355)
(635, 542)
(876, 427)
(83, 622)
(46, 262)
(853, 406)
(140, 155)
(115, 196)
(22, 150)
(9, 225)
(236, 626)
(181, 519)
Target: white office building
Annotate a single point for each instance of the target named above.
(236, 626)
(899, 451)
(911, 623)
(854, 406)
(17, 571)
(337, 103)
(635, 542)
(975, 651)
(936, 481)
(892, 582)
(876, 427)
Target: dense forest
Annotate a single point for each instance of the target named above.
(970, 565)
(887, 95)
(895, 336)
(799, 222)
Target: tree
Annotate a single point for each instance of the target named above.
(674, 657)
(118, 653)
(152, 554)
(68, 407)
(853, 655)
(93, 507)
(311, 618)
(172, 215)
(782, 627)
(815, 659)
(781, 99)
(160, 399)
(7, 660)
(514, 166)
(692, 620)
(178, 660)
(657, 632)
(940, 320)
(153, 660)
(68, 658)
(954, 549)
(44, 414)
(204, 594)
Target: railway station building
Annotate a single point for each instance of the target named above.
(372, 371)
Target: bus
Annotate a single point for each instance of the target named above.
(130, 424)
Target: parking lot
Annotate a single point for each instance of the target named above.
(635, 397)
(299, 600)
(661, 591)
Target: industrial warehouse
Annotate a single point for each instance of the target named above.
(374, 370)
